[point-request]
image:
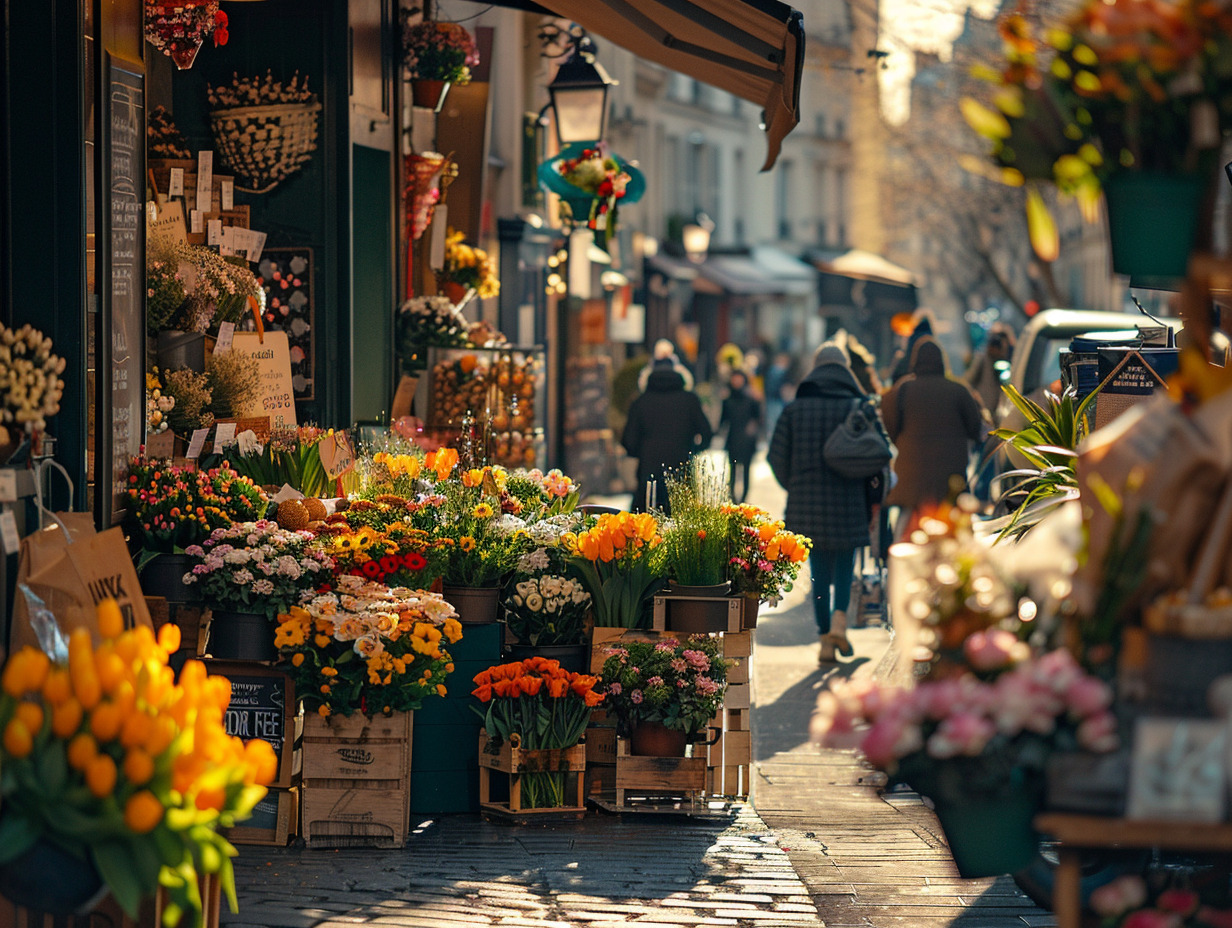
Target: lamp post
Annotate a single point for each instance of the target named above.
(579, 95)
(695, 238)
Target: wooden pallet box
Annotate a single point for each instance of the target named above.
(656, 782)
(274, 821)
(357, 780)
(514, 763)
(108, 914)
(720, 613)
(263, 706)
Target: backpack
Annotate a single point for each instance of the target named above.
(857, 449)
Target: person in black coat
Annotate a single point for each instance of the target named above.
(833, 510)
(666, 425)
(741, 416)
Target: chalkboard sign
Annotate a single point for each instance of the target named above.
(122, 335)
(262, 706)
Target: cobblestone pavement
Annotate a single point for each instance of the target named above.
(823, 847)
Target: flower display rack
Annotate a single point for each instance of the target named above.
(357, 780)
(730, 757)
(658, 784)
(514, 762)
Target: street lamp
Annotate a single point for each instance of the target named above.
(579, 95)
(695, 237)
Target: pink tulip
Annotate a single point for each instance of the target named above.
(1121, 895)
(1087, 696)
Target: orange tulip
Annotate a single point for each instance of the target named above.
(531, 685)
(483, 693)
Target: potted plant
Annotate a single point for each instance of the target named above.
(546, 608)
(765, 559)
(124, 794)
(366, 648)
(427, 321)
(1122, 97)
(616, 558)
(248, 573)
(540, 711)
(436, 55)
(665, 692)
(468, 271)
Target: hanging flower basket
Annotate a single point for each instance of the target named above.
(423, 192)
(179, 29)
(265, 143)
(592, 182)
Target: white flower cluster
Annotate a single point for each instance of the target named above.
(549, 593)
(257, 91)
(157, 405)
(438, 310)
(29, 378)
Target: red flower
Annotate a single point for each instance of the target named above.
(372, 569)
(414, 561)
(389, 563)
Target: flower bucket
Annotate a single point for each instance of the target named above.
(654, 739)
(164, 576)
(476, 605)
(990, 835)
(429, 95)
(1152, 222)
(241, 636)
(573, 657)
(698, 610)
(47, 878)
(181, 349)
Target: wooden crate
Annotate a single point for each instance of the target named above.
(510, 760)
(600, 744)
(658, 783)
(725, 611)
(108, 914)
(274, 821)
(730, 755)
(263, 706)
(357, 780)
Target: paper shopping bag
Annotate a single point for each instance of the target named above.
(71, 567)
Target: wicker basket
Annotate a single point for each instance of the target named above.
(264, 145)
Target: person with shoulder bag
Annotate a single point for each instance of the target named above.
(824, 453)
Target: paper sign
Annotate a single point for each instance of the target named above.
(227, 194)
(337, 456)
(227, 244)
(160, 444)
(276, 398)
(8, 532)
(436, 248)
(8, 486)
(205, 181)
(176, 186)
(196, 222)
(256, 244)
(287, 492)
(224, 434)
(168, 225)
(213, 232)
(196, 443)
(226, 330)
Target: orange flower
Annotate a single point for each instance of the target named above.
(558, 687)
(483, 692)
(530, 685)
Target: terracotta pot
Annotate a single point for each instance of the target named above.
(429, 95)
(458, 294)
(476, 605)
(654, 739)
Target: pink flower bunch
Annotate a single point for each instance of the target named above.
(438, 51)
(680, 684)
(1123, 903)
(1039, 698)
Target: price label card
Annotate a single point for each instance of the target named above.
(226, 244)
(196, 443)
(196, 221)
(276, 398)
(176, 187)
(227, 194)
(436, 247)
(160, 444)
(205, 181)
(224, 434)
(8, 486)
(256, 244)
(213, 232)
(226, 330)
(337, 455)
(8, 532)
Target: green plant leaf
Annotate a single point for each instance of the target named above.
(116, 865)
(17, 834)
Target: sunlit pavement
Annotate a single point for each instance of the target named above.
(818, 845)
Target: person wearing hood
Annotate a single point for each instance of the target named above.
(741, 416)
(666, 425)
(833, 510)
(900, 367)
(933, 419)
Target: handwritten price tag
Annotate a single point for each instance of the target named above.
(337, 456)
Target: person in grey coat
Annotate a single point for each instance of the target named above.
(833, 510)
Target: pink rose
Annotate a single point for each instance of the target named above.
(1099, 733)
(888, 740)
(1121, 895)
(1087, 696)
(962, 733)
(993, 649)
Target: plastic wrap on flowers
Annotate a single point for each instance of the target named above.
(423, 177)
(178, 29)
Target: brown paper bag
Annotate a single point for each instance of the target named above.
(71, 568)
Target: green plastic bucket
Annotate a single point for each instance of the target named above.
(989, 836)
(1152, 222)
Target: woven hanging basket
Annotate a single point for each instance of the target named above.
(264, 145)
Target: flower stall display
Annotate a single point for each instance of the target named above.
(765, 558)
(117, 774)
(666, 690)
(178, 28)
(427, 321)
(157, 404)
(546, 606)
(1125, 97)
(191, 288)
(541, 711)
(30, 377)
(435, 56)
(396, 557)
(467, 268)
(290, 457)
(368, 648)
(1130, 902)
(591, 183)
(617, 560)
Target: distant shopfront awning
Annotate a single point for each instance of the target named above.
(867, 281)
(753, 49)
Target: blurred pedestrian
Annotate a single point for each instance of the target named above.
(665, 426)
(776, 383)
(863, 363)
(984, 374)
(833, 510)
(741, 417)
(664, 358)
(933, 419)
(900, 367)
